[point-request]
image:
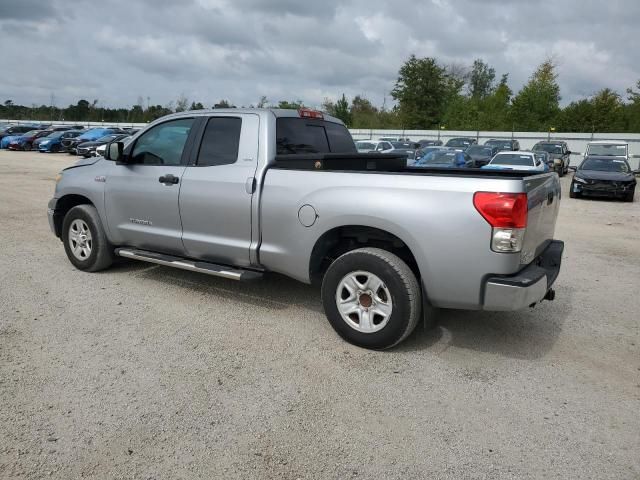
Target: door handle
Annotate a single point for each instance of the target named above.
(169, 179)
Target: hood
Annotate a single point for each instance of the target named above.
(83, 163)
(598, 175)
(90, 144)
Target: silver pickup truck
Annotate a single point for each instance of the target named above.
(238, 193)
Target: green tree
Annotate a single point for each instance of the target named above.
(481, 80)
(342, 110)
(196, 106)
(294, 105)
(537, 105)
(421, 90)
(363, 113)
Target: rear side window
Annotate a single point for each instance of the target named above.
(220, 142)
(303, 135)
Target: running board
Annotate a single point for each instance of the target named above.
(191, 265)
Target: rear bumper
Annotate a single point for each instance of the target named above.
(528, 286)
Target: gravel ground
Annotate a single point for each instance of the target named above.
(148, 372)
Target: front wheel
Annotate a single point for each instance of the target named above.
(629, 196)
(572, 192)
(371, 298)
(85, 242)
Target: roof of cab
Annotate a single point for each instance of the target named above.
(608, 142)
(277, 112)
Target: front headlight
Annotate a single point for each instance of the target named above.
(579, 180)
(45, 142)
(557, 161)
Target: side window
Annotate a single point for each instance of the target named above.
(220, 142)
(162, 144)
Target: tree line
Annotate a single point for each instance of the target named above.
(428, 95)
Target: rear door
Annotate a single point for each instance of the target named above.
(218, 189)
(141, 196)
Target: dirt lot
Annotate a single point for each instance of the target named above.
(147, 372)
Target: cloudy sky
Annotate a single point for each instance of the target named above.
(117, 50)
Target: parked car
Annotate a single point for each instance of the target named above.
(604, 176)
(406, 145)
(393, 139)
(53, 142)
(481, 154)
(366, 146)
(88, 149)
(425, 142)
(70, 144)
(445, 159)
(101, 149)
(504, 144)
(559, 154)
(14, 130)
(265, 191)
(25, 142)
(421, 152)
(524, 161)
(461, 142)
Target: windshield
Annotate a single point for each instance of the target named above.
(499, 143)
(547, 147)
(440, 158)
(604, 150)
(31, 133)
(106, 138)
(513, 159)
(605, 165)
(55, 135)
(458, 142)
(478, 150)
(365, 146)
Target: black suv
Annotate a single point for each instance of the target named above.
(559, 155)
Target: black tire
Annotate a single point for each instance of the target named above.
(629, 196)
(573, 194)
(398, 280)
(101, 254)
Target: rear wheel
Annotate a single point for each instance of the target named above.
(371, 298)
(85, 242)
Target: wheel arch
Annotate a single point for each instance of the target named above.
(63, 205)
(342, 239)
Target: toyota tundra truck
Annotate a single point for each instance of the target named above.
(239, 193)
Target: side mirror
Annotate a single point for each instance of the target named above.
(569, 152)
(114, 151)
(573, 168)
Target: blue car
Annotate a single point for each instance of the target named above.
(53, 142)
(445, 159)
(4, 143)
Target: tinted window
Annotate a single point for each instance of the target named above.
(605, 150)
(302, 135)
(220, 142)
(605, 165)
(548, 147)
(162, 144)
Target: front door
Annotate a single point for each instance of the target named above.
(141, 196)
(217, 190)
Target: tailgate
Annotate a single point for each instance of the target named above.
(543, 195)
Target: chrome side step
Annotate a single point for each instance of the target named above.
(191, 265)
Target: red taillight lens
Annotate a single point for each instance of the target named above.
(306, 113)
(502, 210)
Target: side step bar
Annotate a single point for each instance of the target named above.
(191, 265)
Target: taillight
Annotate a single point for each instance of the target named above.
(507, 214)
(502, 210)
(306, 113)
